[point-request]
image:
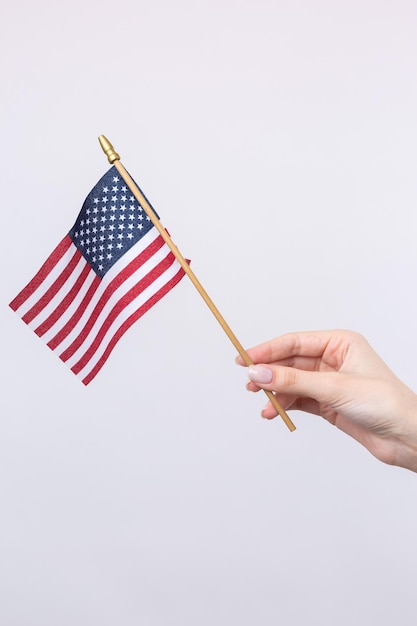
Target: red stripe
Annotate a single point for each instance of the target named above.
(121, 304)
(72, 322)
(53, 289)
(40, 276)
(110, 289)
(65, 303)
(130, 321)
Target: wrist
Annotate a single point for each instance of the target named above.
(406, 438)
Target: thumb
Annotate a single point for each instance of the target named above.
(292, 381)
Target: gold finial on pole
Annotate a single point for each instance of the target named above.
(108, 149)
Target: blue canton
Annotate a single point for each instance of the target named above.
(110, 222)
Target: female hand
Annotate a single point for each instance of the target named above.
(336, 374)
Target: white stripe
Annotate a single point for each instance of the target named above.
(130, 282)
(60, 295)
(109, 277)
(69, 311)
(47, 282)
(129, 256)
(125, 314)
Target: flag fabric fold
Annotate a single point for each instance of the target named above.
(110, 269)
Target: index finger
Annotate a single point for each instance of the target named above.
(304, 344)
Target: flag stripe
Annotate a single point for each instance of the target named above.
(120, 305)
(76, 316)
(56, 298)
(70, 316)
(77, 322)
(44, 286)
(129, 322)
(64, 303)
(72, 308)
(137, 262)
(128, 311)
(53, 289)
(40, 276)
(99, 306)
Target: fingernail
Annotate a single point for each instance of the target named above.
(259, 374)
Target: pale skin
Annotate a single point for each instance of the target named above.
(336, 374)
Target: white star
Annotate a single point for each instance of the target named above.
(116, 179)
(119, 245)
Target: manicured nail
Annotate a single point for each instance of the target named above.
(259, 374)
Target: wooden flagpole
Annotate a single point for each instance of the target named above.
(114, 159)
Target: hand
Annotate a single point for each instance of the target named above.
(336, 374)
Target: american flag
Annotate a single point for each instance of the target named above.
(110, 269)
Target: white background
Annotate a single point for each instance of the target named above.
(277, 140)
